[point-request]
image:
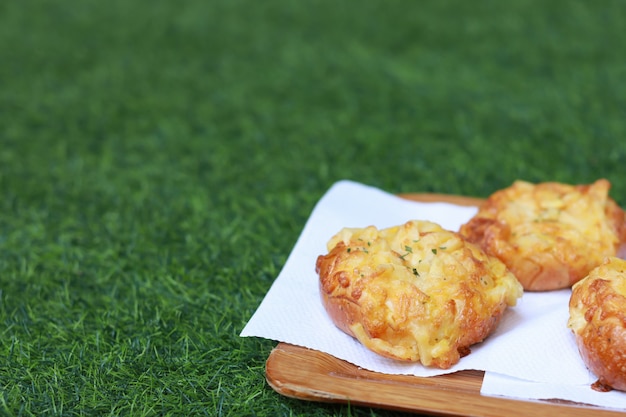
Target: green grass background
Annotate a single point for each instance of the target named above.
(158, 160)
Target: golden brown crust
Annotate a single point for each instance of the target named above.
(598, 320)
(550, 235)
(414, 292)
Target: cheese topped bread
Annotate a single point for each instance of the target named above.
(414, 292)
(597, 318)
(550, 235)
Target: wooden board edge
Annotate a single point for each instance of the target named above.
(458, 200)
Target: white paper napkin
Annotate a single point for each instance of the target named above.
(531, 347)
(507, 386)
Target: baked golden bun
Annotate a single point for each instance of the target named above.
(550, 235)
(414, 292)
(597, 310)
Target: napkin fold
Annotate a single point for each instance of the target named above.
(531, 352)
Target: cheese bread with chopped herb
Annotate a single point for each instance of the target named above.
(550, 235)
(414, 292)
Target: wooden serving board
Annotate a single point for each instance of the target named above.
(307, 374)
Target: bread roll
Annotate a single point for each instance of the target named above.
(414, 292)
(597, 310)
(550, 235)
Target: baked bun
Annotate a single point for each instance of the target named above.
(550, 235)
(597, 318)
(414, 292)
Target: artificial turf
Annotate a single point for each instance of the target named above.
(158, 161)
